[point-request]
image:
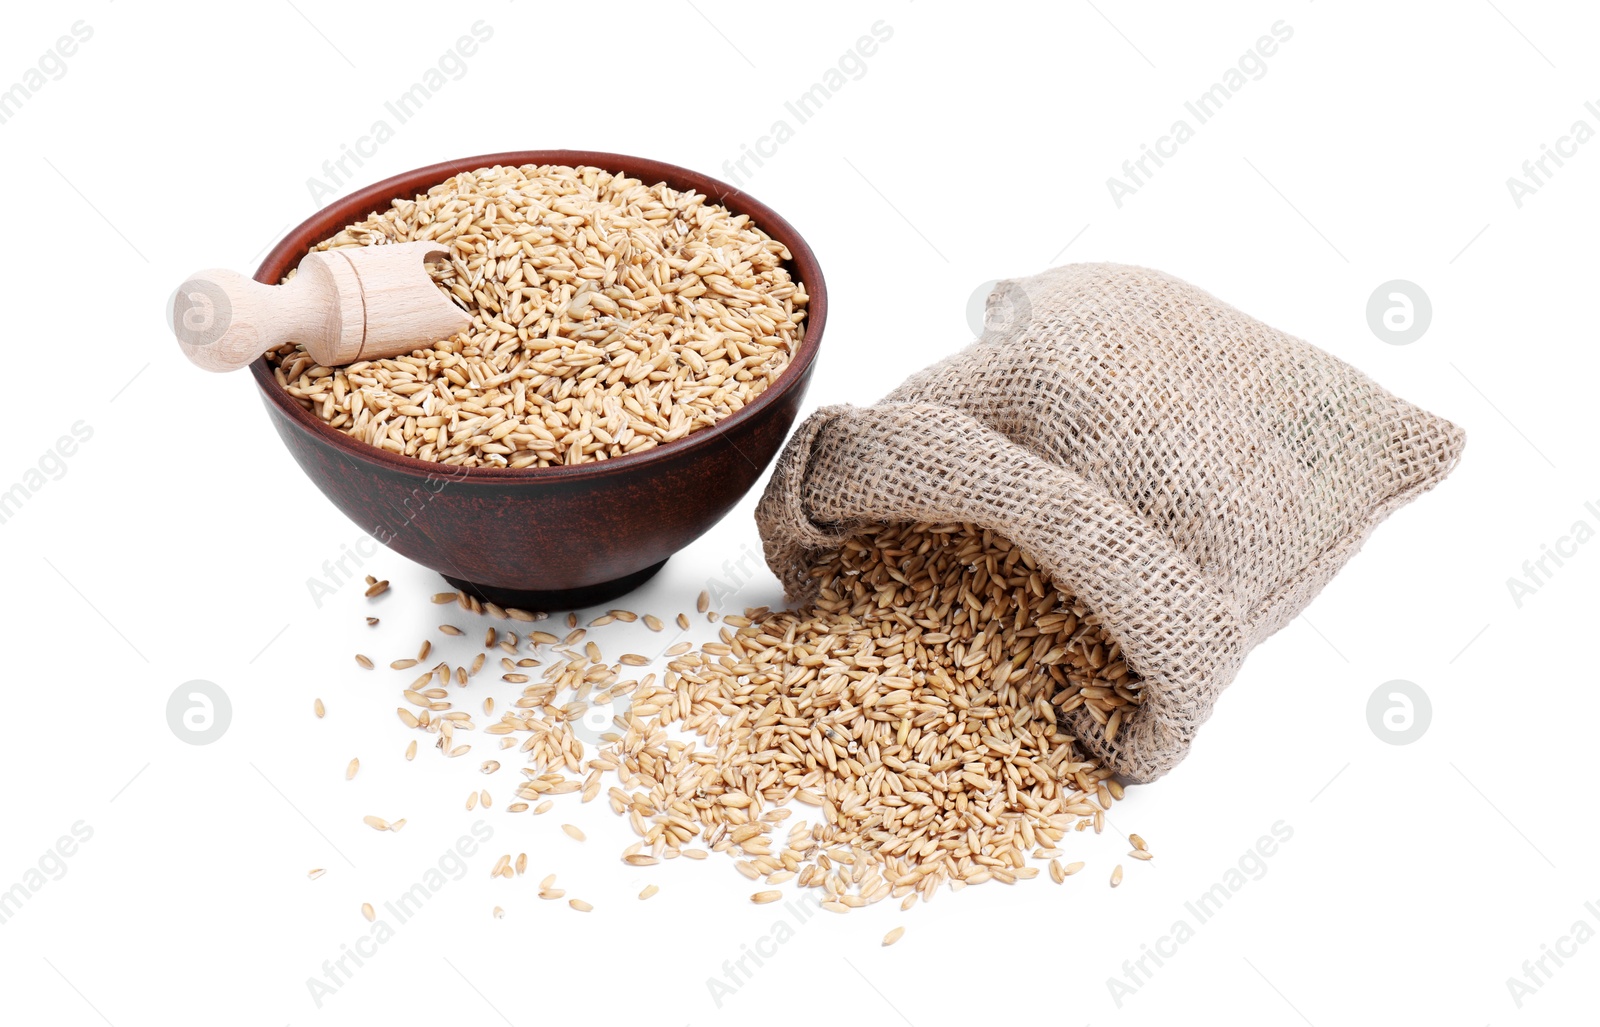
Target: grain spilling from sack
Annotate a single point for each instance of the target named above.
(914, 704)
(1193, 475)
(608, 317)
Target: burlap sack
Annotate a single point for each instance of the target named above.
(1193, 474)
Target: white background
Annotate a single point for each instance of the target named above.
(179, 541)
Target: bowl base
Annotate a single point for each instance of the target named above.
(557, 599)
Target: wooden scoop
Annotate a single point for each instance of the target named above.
(343, 305)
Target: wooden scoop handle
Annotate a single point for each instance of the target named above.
(343, 305)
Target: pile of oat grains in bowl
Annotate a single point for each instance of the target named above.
(609, 316)
(911, 711)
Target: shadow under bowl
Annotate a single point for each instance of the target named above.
(549, 537)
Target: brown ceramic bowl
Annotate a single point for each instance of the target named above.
(549, 537)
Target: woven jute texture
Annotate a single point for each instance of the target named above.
(1195, 476)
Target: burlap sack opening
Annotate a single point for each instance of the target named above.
(1192, 474)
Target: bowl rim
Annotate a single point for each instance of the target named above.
(380, 195)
